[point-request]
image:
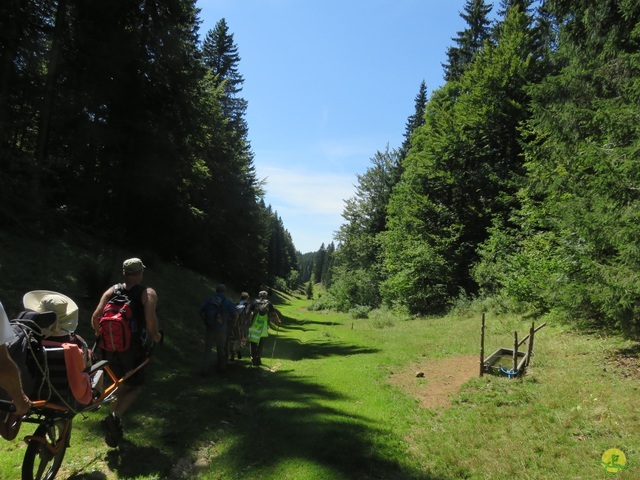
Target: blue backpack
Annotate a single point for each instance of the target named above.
(212, 312)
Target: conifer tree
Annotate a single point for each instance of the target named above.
(415, 120)
(470, 40)
(281, 254)
(135, 120)
(305, 264)
(505, 5)
(327, 269)
(221, 56)
(356, 269)
(461, 173)
(571, 250)
(253, 235)
(318, 267)
(25, 39)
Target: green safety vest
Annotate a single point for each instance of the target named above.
(259, 328)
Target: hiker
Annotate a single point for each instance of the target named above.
(263, 312)
(234, 336)
(122, 357)
(219, 314)
(9, 372)
(244, 320)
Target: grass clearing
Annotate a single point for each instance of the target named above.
(326, 404)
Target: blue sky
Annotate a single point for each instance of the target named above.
(328, 84)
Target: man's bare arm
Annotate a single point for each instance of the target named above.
(10, 381)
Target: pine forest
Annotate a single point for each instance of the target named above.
(517, 184)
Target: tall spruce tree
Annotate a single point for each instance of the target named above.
(305, 264)
(415, 120)
(505, 5)
(221, 56)
(327, 269)
(125, 100)
(356, 269)
(25, 37)
(318, 266)
(281, 254)
(470, 40)
(573, 248)
(461, 173)
(233, 187)
(135, 122)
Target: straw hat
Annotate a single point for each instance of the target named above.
(47, 301)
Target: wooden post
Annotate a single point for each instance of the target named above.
(530, 349)
(515, 351)
(482, 347)
(539, 327)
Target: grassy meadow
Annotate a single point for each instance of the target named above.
(324, 406)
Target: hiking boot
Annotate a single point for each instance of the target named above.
(113, 430)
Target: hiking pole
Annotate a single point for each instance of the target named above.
(274, 346)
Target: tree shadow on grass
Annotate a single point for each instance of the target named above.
(276, 417)
(627, 352)
(128, 460)
(252, 421)
(295, 350)
(133, 461)
(307, 325)
(320, 347)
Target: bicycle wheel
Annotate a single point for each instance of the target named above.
(40, 462)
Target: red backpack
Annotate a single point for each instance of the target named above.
(117, 322)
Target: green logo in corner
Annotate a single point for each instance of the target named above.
(614, 461)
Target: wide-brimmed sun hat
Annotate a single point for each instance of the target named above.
(47, 301)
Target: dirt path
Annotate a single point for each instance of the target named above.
(435, 381)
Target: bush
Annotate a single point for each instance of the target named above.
(360, 311)
(354, 287)
(324, 302)
(381, 323)
(293, 279)
(387, 317)
(280, 284)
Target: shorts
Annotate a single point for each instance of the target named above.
(123, 362)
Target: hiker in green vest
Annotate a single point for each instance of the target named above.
(263, 313)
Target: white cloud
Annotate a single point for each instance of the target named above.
(309, 203)
(360, 151)
(305, 192)
(308, 187)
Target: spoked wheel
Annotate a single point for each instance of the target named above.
(46, 450)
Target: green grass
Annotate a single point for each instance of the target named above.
(323, 406)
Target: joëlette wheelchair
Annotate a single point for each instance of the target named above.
(63, 386)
